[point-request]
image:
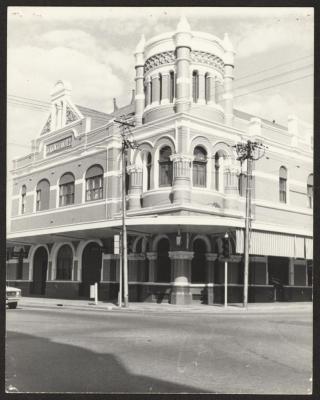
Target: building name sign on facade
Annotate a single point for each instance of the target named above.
(59, 145)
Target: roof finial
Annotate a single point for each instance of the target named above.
(140, 45)
(183, 25)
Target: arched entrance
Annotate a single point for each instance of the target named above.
(198, 265)
(163, 262)
(40, 265)
(91, 268)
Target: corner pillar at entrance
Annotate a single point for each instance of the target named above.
(210, 259)
(181, 276)
(181, 178)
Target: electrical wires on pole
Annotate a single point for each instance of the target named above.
(126, 144)
(248, 151)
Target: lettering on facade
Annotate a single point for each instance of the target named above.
(59, 145)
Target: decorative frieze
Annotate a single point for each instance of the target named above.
(47, 126)
(70, 116)
(167, 57)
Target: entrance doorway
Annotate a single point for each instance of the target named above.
(40, 266)
(91, 268)
(198, 265)
(163, 262)
(278, 269)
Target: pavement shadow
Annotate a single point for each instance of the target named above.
(36, 364)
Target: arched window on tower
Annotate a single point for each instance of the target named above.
(66, 189)
(43, 195)
(23, 198)
(165, 167)
(199, 167)
(310, 191)
(160, 86)
(195, 86)
(206, 87)
(283, 185)
(94, 183)
(172, 86)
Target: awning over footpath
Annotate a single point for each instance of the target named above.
(276, 244)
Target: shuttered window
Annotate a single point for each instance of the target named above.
(43, 195)
(66, 190)
(283, 185)
(23, 198)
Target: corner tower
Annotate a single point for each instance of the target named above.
(184, 71)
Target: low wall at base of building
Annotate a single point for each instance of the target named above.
(297, 293)
(62, 290)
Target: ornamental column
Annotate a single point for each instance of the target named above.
(228, 80)
(155, 92)
(148, 91)
(182, 39)
(165, 95)
(181, 177)
(211, 82)
(181, 276)
(139, 93)
(210, 259)
(135, 187)
(152, 257)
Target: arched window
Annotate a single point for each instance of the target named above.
(161, 86)
(148, 166)
(43, 195)
(23, 198)
(310, 191)
(195, 86)
(217, 171)
(66, 189)
(242, 184)
(283, 185)
(199, 167)
(172, 87)
(64, 263)
(165, 167)
(94, 183)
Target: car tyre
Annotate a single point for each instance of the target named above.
(12, 305)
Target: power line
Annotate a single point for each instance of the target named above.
(278, 84)
(274, 67)
(274, 76)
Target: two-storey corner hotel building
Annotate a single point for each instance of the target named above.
(185, 189)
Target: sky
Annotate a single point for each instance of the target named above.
(93, 49)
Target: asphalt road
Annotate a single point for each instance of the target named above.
(63, 350)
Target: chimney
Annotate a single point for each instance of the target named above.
(115, 107)
(133, 96)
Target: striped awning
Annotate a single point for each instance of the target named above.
(275, 244)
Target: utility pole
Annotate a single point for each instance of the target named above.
(248, 151)
(124, 252)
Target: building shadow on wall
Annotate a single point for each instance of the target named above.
(36, 364)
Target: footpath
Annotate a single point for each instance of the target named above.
(88, 305)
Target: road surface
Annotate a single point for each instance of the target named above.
(65, 350)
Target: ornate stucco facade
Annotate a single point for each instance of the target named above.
(185, 188)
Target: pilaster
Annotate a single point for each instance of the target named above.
(181, 177)
(139, 93)
(152, 257)
(181, 276)
(210, 259)
(135, 186)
